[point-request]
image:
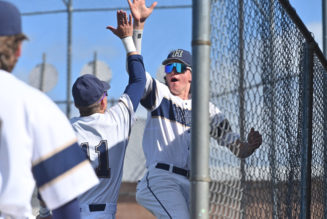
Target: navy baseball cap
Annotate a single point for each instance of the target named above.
(10, 19)
(180, 55)
(88, 89)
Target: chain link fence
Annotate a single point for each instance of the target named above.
(259, 78)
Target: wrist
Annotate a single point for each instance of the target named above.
(129, 44)
(248, 149)
(137, 38)
(138, 25)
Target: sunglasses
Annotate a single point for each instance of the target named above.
(179, 67)
(104, 95)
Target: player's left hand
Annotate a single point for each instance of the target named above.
(124, 25)
(139, 10)
(254, 139)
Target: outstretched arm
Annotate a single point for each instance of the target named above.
(220, 129)
(136, 83)
(140, 13)
(245, 149)
(124, 31)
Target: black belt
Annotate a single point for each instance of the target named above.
(176, 170)
(97, 207)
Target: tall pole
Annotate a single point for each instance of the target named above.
(69, 51)
(273, 99)
(241, 89)
(200, 115)
(324, 27)
(41, 86)
(324, 43)
(306, 159)
(95, 64)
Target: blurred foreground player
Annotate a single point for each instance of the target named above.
(37, 142)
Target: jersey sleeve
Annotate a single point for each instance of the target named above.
(153, 93)
(60, 168)
(135, 87)
(220, 128)
(123, 112)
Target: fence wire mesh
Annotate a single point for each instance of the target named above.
(319, 150)
(256, 79)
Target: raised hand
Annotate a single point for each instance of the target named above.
(124, 25)
(139, 10)
(254, 139)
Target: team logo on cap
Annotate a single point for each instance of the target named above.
(178, 53)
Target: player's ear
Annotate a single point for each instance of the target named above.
(104, 103)
(19, 50)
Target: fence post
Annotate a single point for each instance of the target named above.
(241, 119)
(200, 114)
(69, 56)
(324, 143)
(324, 27)
(269, 103)
(42, 73)
(306, 138)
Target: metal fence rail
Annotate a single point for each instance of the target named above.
(267, 72)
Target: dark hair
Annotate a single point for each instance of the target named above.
(89, 110)
(8, 48)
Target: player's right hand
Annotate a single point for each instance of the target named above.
(139, 10)
(124, 25)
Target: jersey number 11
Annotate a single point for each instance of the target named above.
(102, 170)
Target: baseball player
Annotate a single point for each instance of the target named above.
(37, 142)
(103, 134)
(164, 190)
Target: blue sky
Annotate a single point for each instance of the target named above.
(165, 30)
(311, 14)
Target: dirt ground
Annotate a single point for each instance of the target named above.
(128, 210)
(127, 207)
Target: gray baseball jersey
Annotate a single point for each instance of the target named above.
(104, 138)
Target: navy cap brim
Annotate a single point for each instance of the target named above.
(106, 86)
(23, 37)
(166, 61)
